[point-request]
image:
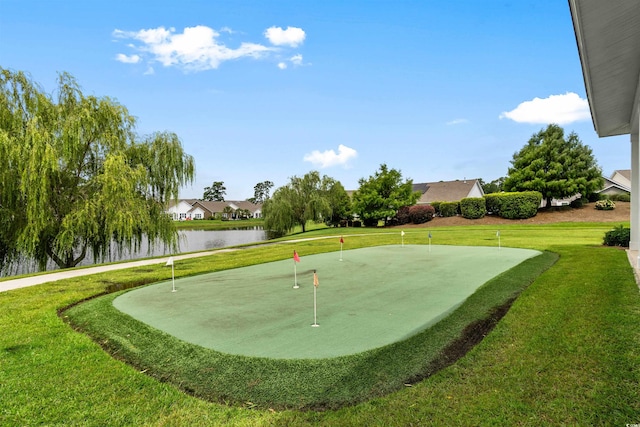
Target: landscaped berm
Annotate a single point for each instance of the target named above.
(266, 334)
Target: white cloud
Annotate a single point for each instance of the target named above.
(457, 122)
(296, 59)
(132, 59)
(329, 158)
(560, 109)
(282, 65)
(200, 48)
(292, 36)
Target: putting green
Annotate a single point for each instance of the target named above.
(373, 297)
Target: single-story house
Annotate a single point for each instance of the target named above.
(618, 183)
(448, 191)
(189, 209)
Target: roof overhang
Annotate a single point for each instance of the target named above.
(608, 37)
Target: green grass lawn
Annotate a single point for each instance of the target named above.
(565, 353)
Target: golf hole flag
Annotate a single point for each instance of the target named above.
(341, 240)
(296, 259)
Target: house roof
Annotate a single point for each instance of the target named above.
(445, 191)
(216, 207)
(609, 183)
(608, 36)
(624, 172)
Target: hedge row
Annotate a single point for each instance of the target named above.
(516, 205)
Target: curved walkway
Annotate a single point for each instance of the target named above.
(53, 276)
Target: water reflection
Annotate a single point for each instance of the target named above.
(190, 241)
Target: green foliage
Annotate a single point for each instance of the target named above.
(520, 205)
(449, 208)
(619, 236)
(338, 199)
(215, 193)
(381, 195)
(261, 192)
(473, 207)
(579, 202)
(605, 205)
(420, 214)
(623, 197)
(74, 175)
(492, 203)
(554, 166)
(302, 200)
(436, 207)
(494, 186)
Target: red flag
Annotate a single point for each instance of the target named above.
(296, 258)
(341, 239)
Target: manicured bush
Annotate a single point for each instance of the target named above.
(492, 202)
(402, 216)
(473, 207)
(436, 206)
(620, 197)
(449, 208)
(605, 205)
(619, 236)
(520, 205)
(579, 202)
(420, 214)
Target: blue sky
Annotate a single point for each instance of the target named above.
(265, 90)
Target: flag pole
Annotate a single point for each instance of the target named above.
(173, 276)
(315, 306)
(341, 243)
(429, 242)
(173, 279)
(498, 235)
(296, 259)
(402, 237)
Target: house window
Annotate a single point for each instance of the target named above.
(183, 216)
(198, 216)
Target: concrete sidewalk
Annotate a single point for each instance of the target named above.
(24, 282)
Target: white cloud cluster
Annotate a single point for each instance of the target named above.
(329, 158)
(200, 48)
(560, 109)
(292, 36)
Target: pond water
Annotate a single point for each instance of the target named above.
(190, 241)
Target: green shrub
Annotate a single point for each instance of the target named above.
(449, 208)
(579, 202)
(436, 206)
(605, 205)
(520, 205)
(619, 236)
(492, 202)
(473, 207)
(420, 214)
(625, 197)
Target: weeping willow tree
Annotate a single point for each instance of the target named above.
(75, 176)
(302, 200)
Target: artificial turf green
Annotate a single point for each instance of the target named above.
(297, 383)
